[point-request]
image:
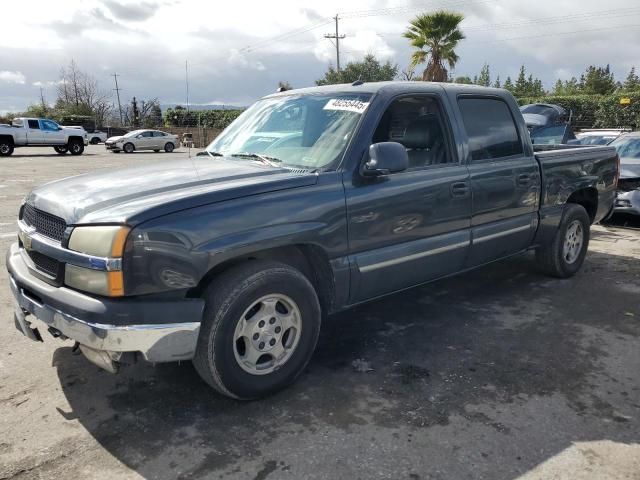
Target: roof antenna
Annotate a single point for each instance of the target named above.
(358, 82)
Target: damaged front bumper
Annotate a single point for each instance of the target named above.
(104, 328)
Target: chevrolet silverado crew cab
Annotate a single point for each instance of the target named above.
(312, 201)
(40, 132)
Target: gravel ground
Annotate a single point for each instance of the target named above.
(497, 374)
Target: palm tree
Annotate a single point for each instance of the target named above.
(435, 36)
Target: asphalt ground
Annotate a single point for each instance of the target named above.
(500, 373)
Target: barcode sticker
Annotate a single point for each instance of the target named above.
(346, 105)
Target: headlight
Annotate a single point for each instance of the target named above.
(106, 243)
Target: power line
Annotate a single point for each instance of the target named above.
(337, 37)
(115, 78)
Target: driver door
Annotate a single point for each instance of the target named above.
(51, 133)
(410, 227)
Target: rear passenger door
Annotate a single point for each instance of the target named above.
(34, 134)
(504, 178)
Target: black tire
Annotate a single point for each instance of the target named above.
(128, 147)
(61, 149)
(227, 298)
(551, 258)
(95, 141)
(6, 148)
(168, 147)
(76, 147)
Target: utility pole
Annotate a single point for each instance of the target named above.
(337, 37)
(115, 77)
(186, 77)
(42, 102)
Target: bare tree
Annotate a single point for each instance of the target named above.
(79, 94)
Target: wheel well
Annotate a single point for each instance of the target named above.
(7, 137)
(75, 139)
(310, 260)
(588, 198)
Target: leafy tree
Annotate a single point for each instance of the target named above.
(632, 83)
(508, 85)
(284, 86)
(567, 87)
(464, 80)
(496, 84)
(368, 70)
(526, 86)
(484, 78)
(435, 38)
(597, 81)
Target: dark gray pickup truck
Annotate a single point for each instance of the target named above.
(312, 201)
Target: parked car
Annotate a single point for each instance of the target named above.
(597, 136)
(41, 132)
(95, 136)
(548, 124)
(628, 198)
(143, 140)
(543, 115)
(311, 202)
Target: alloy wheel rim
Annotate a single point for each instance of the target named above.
(573, 240)
(4, 148)
(267, 334)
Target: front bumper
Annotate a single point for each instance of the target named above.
(161, 330)
(628, 202)
(112, 146)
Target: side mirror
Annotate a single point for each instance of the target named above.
(385, 158)
(59, 128)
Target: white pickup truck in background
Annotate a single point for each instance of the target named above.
(95, 137)
(40, 132)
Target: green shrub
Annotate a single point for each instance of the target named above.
(219, 119)
(596, 111)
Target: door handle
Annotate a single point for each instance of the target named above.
(459, 189)
(524, 180)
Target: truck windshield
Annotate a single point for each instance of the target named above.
(304, 131)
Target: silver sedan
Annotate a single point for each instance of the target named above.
(143, 140)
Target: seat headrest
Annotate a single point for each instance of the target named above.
(422, 132)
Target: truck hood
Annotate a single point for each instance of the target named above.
(137, 194)
(629, 167)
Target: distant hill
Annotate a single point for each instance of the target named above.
(202, 107)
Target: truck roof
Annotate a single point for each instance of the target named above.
(393, 87)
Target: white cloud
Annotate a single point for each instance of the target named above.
(238, 59)
(12, 77)
(49, 83)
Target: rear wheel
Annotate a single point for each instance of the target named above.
(259, 330)
(76, 147)
(128, 148)
(95, 141)
(6, 148)
(169, 147)
(564, 256)
(61, 150)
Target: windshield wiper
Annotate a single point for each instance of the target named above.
(273, 161)
(209, 153)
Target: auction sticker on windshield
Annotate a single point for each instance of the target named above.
(346, 105)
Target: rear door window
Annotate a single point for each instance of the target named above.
(490, 128)
(34, 125)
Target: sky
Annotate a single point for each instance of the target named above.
(238, 51)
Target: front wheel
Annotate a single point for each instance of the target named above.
(6, 148)
(61, 150)
(259, 329)
(95, 141)
(564, 256)
(128, 148)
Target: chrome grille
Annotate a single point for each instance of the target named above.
(44, 223)
(44, 263)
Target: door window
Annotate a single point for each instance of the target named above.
(416, 122)
(33, 124)
(147, 134)
(49, 126)
(490, 128)
(159, 134)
